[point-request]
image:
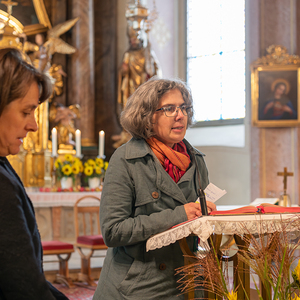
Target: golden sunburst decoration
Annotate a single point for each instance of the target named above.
(54, 43)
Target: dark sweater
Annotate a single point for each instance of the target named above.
(21, 254)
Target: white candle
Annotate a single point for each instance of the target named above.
(78, 142)
(101, 143)
(54, 142)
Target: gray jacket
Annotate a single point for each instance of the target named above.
(140, 199)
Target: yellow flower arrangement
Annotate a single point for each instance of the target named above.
(95, 168)
(296, 275)
(68, 167)
(232, 295)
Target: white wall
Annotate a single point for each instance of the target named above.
(229, 169)
(227, 159)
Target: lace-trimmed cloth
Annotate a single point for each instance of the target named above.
(204, 226)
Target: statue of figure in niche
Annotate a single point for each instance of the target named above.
(63, 119)
(139, 61)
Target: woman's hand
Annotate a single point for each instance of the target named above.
(210, 206)
(192, 210)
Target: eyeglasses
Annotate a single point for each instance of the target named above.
(172, 110)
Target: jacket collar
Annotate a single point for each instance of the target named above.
(137, 148)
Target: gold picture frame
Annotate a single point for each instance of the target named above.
(37, 11)
(275, 89)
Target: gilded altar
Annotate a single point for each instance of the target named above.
(33, 163)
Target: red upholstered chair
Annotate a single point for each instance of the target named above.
(60, 248)
(88, 235)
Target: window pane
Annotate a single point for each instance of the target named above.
(216, 58)
(233, 80)
(206, 89)
(197, 20)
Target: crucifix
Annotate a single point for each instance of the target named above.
(285, 174)
(9, 5)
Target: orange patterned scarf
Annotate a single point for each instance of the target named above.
(174, 160)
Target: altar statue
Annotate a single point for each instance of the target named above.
(138, 65)
(63, 118)
(139, 61)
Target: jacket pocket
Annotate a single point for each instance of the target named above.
(145, 279)
(133, 276)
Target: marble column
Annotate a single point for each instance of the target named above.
(106, 70)
(82, 68)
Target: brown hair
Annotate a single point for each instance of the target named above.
(16, 76)
(136, 117)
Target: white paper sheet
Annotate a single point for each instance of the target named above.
(213, 193)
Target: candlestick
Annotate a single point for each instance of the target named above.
(101, 144)
(54, 142)
(78, 142)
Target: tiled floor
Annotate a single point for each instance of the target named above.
(79, 292)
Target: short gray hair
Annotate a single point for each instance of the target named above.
(136, 118)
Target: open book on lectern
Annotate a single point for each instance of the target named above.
(263, 208)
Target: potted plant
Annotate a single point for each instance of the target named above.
(66, 169)
(94, 171)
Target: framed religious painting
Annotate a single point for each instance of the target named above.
(275, 92)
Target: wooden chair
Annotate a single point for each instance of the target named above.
(60, 248)
(88, 235)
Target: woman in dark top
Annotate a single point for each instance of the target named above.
(22, 89)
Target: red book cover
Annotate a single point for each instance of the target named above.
(264, 208)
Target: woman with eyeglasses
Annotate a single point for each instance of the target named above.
(151, 185)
